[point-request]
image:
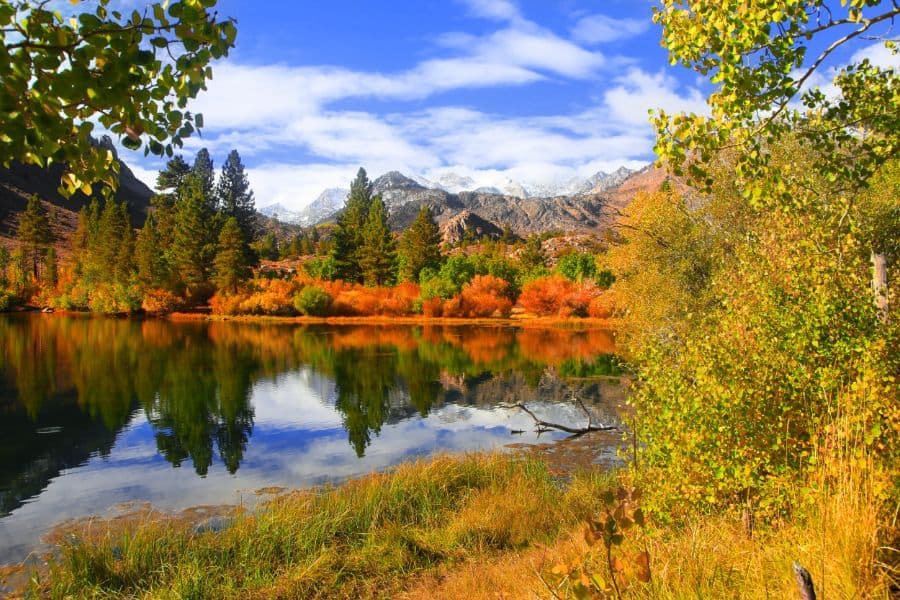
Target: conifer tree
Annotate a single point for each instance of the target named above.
(34, 232)
(203, 169)
(235, 196)
(51, 272)
(533, 256)
(111, 247)
(350, 224)
(4, 266)
(150, 260)
(230, 262)
(18, 270)
(172, 177)
(376, 254)
(191, 249)
(419, 246)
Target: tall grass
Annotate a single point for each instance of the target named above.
(366, 538)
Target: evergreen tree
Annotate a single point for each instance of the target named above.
(34, 232)
(235, 196)
(51, 273)
(150, 260)
(111, 247)
(191, 249)
(205, 172)
(267, 247)
(230, 262)
(4, 266)
(376, 255)
(348, 236)
(533, 256)
(18, 270)
(172, 177)
(419, 246)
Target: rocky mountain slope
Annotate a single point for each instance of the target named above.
(587, 207)
(20, 181)
(398, 189)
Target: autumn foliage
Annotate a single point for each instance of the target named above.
(557, 296)
(484, 296)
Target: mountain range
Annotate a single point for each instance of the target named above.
(454, 193)
(575, 207)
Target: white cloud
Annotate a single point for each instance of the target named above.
(598, 29)
(503, 10)
(638, 91)
(297, 140)
(879, 55)
(489, 148)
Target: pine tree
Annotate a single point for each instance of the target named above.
(4, 266)
(51, 272)
(533, 256)
(348, 236)
(152, 266)
(235, 196)
(18, 270)
(172, 177)
(230, 262)
(111, 247)
(376, 254)
(420, 246)
(34, 232)
(191, 250)
(205, 172)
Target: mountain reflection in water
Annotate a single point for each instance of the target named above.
(94, 412)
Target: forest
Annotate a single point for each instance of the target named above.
(202, 245)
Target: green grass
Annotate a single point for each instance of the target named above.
(368, 538)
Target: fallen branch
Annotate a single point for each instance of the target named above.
(546, 425)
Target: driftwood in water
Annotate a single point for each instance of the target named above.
(543, 426)
(804, 583)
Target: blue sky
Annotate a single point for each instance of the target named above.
(531, 90)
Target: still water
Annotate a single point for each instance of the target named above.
(99, 412)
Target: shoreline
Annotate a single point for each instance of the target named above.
(379, 320)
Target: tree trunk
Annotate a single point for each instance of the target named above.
(879, 284)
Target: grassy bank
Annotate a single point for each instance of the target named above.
(369, 538)
(479, 526)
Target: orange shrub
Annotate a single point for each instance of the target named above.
(602, 306)
(433, 307)
(484, 296)
(357, 300)
(264, 297)
(226, 305)
(557, 296)
(160, 302)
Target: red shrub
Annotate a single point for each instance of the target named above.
(557, 296)
(484, 296)
(433, 307)
(356, 300)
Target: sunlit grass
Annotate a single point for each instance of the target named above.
(367, 538)
(477, 526)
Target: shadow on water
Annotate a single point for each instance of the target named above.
(70, 386)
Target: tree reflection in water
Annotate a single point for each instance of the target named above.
(194, 381)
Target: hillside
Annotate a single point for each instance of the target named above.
(487, 213)
(19, 182)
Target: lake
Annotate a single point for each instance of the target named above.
(99, 412)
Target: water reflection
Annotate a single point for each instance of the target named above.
(97, 406)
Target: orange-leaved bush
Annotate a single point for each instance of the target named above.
(484, 296)
(557, 296)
